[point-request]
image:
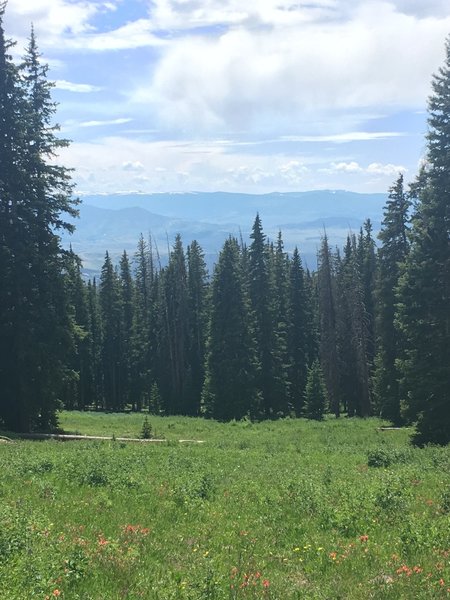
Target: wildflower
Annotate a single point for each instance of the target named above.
(333, 555)
(441, 582)
(417, 569)
(266, 583)
(102, 541)
(363, 538)
(56, 593)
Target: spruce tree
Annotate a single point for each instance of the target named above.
(198, 305)
(127, 319)
(424, 288)
(110, 303)
(298, 332)
(36, 333)
(315, 394)
(391, 255)
(273, 374)
(328, 327)
(230, 390)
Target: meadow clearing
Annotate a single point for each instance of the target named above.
(291, 509)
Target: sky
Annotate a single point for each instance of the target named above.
(256, 96)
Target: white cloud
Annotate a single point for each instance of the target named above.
(389, 169)
(339, 138)
(133, 166)
(269, 79)
(372, 169)
(68, 24)
(104, 123)
(137, 34)
(350, 167)
(114, 163)
(81, 88)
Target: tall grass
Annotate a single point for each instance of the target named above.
(282, 510)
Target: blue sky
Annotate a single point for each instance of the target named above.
(256, 96)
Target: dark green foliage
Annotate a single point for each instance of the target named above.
(198, 306)
(174, 378)
(391, 255)
(146, 431)
(36, 331)
(353, 332)
(112, 356)
(328, 327)
(315, 393)
(424, 287)
(232, 367)
(299, 325)
(272, 377)
(143, 336)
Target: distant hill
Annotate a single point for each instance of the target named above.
(114, 222)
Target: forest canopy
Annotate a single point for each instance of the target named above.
(260, 337)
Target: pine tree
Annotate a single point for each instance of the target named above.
(79, 386)
(198, 305)
(174, 310)
(351, 293)
(143, 327)
(273, 374)
(230, 390)
(110, 303)
(328, 332)
(348, 379)
(315, 394)
(424, 288)
(298, 332)
(36, 334)
(127, 319)
(96, 336)
(391, 255)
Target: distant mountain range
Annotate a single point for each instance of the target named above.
(114, 222)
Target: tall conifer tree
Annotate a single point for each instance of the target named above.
(391, 255)
(36, 334)
(424, 290)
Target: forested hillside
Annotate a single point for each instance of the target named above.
(259, 337)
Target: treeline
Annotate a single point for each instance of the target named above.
(367, 333)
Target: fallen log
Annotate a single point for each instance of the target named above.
(71, 436)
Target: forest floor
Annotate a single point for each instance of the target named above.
(279, 510)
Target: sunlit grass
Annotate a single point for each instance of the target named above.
(278, 510)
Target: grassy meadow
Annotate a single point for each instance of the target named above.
(283, 510)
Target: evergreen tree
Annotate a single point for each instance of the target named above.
(348, 380)
(110, 303)
(36, 333)
(391, 255)
(328, 334)
(315, 394)
(198, 304)
(79, 386)
(230, 390)
(174, 310)
(96, 337)
(424, 289)
(272, 376)
(351, 292)
(143, 327)
(298, 332)
(127, 319)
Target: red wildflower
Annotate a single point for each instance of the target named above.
(363, 538)
(266, 583)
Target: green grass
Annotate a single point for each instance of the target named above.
(281, 510)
